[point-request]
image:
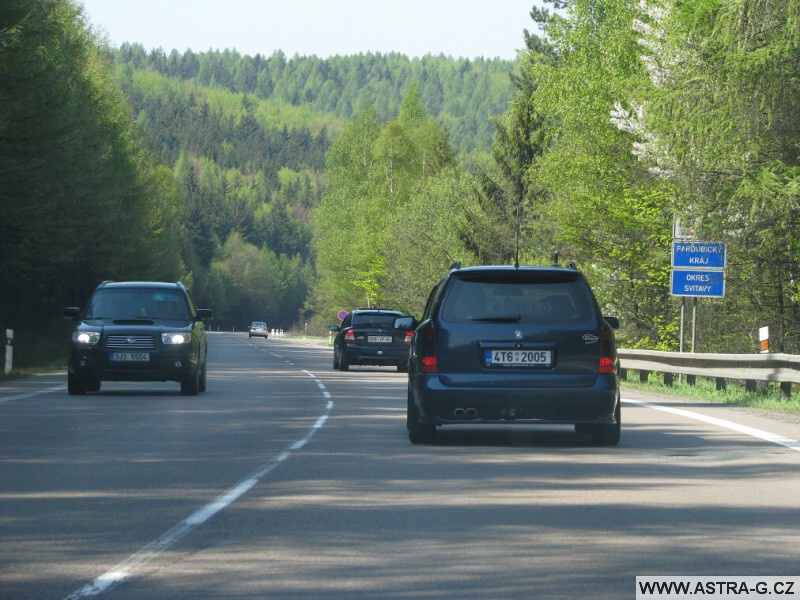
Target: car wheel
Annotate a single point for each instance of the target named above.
(75, 386)
(418, 433)
(609, 435)
(202, 386)
(190, 385)
(402, 367)
(335, 359)
(344, 365)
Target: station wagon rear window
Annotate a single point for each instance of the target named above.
(560, 301)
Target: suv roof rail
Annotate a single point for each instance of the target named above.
(456, 265)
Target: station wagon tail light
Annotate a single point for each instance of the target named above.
(350, 336)
(607, 362)
(427, 351)
(407, 340)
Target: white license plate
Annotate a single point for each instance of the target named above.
(130, 357)
(379, 339)
(518, 358)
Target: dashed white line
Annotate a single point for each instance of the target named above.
(125, 569)
(751, 431)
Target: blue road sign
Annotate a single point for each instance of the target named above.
(698, 255)
(698, 284)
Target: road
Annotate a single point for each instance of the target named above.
(287, 479)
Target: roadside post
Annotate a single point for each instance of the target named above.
(763, 340)
(9, 351)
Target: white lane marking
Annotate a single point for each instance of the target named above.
(33, 394)
(128, 567)
(751, 431)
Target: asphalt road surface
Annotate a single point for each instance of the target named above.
(287, 479)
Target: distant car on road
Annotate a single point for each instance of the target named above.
(368, 336)
(505, 345)
(258, 329)
(138, 331)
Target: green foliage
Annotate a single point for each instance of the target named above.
(462, 94)
(79, 195)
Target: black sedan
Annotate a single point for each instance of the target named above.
(368, 337)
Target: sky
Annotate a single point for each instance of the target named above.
(455, 28)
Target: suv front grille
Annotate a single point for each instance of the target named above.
(130, 342)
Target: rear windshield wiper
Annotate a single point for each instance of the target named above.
(502, 319)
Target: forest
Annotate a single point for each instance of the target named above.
(287, 189)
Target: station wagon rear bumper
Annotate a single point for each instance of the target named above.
(438, 404)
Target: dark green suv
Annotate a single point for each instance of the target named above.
(523, 345)
(138, 331)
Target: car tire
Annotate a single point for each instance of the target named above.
(202, 385)
(402, 367)
(190, 385)
(75, 387)
(418, 433)
(344, 365)
(609, 435)
(335, 360)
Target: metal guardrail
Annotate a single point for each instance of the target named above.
(750, 368)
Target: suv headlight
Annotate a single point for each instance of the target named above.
(86, 338)
(175, 338)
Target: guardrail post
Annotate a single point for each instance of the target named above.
(644, 376)
(721, 384)
(691, 379)
(751, 386)
(786, 389)
(668, 379)
(9, 351)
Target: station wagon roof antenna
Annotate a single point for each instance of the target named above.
(519, 225)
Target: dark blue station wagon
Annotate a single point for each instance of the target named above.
(523, 345)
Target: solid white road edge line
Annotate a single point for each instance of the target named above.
(125, 569)
(32, 394)
(751, 431)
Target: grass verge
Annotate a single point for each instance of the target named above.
(768, 396)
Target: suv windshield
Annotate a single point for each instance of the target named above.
(142, 303)
(564, 301)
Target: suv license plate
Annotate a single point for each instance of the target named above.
(130, 357)
(380, 339)
(518, 358)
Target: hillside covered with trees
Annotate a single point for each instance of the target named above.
(286, 189)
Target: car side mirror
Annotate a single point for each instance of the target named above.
(613, 322)
(334, 328)
(407, 323)
(205, 314)
(72, 312)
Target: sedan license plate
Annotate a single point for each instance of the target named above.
(130, 357)
(379, 339)
(518, 358)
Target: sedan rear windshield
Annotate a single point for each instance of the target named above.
(374, 320)
(561, 301)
